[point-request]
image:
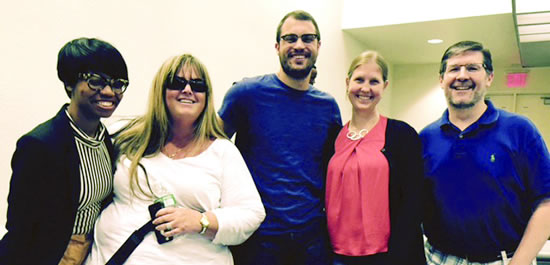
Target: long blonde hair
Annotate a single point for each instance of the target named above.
(146, 135)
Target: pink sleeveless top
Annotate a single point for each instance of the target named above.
(357, 194)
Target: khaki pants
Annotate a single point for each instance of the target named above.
(76, 251)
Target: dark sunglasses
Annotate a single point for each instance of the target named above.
(178, 83)
(97, 82)
(306, 38)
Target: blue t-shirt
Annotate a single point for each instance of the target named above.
(286, 137)
(483, 183)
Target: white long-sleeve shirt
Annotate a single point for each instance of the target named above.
(216, 180)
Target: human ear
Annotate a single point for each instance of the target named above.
(490, 78)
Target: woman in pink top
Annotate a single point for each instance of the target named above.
(373, 196)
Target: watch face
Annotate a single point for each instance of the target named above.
(204, 220)
(204, 223)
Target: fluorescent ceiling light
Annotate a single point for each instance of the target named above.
(526, 6)
(535, 18)
(534, 29)
(532, 20)
(534, 37)
(435, 41)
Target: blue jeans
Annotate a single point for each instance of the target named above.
(309, 247)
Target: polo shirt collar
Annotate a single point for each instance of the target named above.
(490, 115)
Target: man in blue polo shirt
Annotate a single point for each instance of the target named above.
(487, 172)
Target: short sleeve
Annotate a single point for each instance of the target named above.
(232, 109)
(538, 166)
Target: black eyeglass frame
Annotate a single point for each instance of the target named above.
(111, 82)
(178, 83)
(306, 38)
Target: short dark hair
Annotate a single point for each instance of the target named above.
(89, 55)
(462, 47)
(298, 15)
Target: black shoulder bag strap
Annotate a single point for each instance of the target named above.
(122, 254)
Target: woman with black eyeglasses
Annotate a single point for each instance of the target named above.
(177, 155)
(63, 169)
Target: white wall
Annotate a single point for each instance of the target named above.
(234, 39)
(416, 95)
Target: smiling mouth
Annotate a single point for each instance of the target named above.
(462, 88)
(106, 104)
(299, 55)
(186, 101)
(362, 97)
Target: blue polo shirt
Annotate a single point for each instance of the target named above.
(483, 183)
(286, 137)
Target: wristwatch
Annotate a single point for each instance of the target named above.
(204, 223)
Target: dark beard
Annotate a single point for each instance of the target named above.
(298, 74)
(462, 105)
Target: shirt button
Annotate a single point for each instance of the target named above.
(460, 136)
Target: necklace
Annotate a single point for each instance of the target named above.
(174, 154)
(354, 136)
(185, 143)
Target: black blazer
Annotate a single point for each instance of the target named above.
(403, 150)
(44, 194)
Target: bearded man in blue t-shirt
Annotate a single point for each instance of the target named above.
(285, 130)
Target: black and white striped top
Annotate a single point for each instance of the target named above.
(96, 178)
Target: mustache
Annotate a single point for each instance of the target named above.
(304, 53)
(469, 84)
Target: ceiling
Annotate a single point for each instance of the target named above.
(407, 43)
(535, 54)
